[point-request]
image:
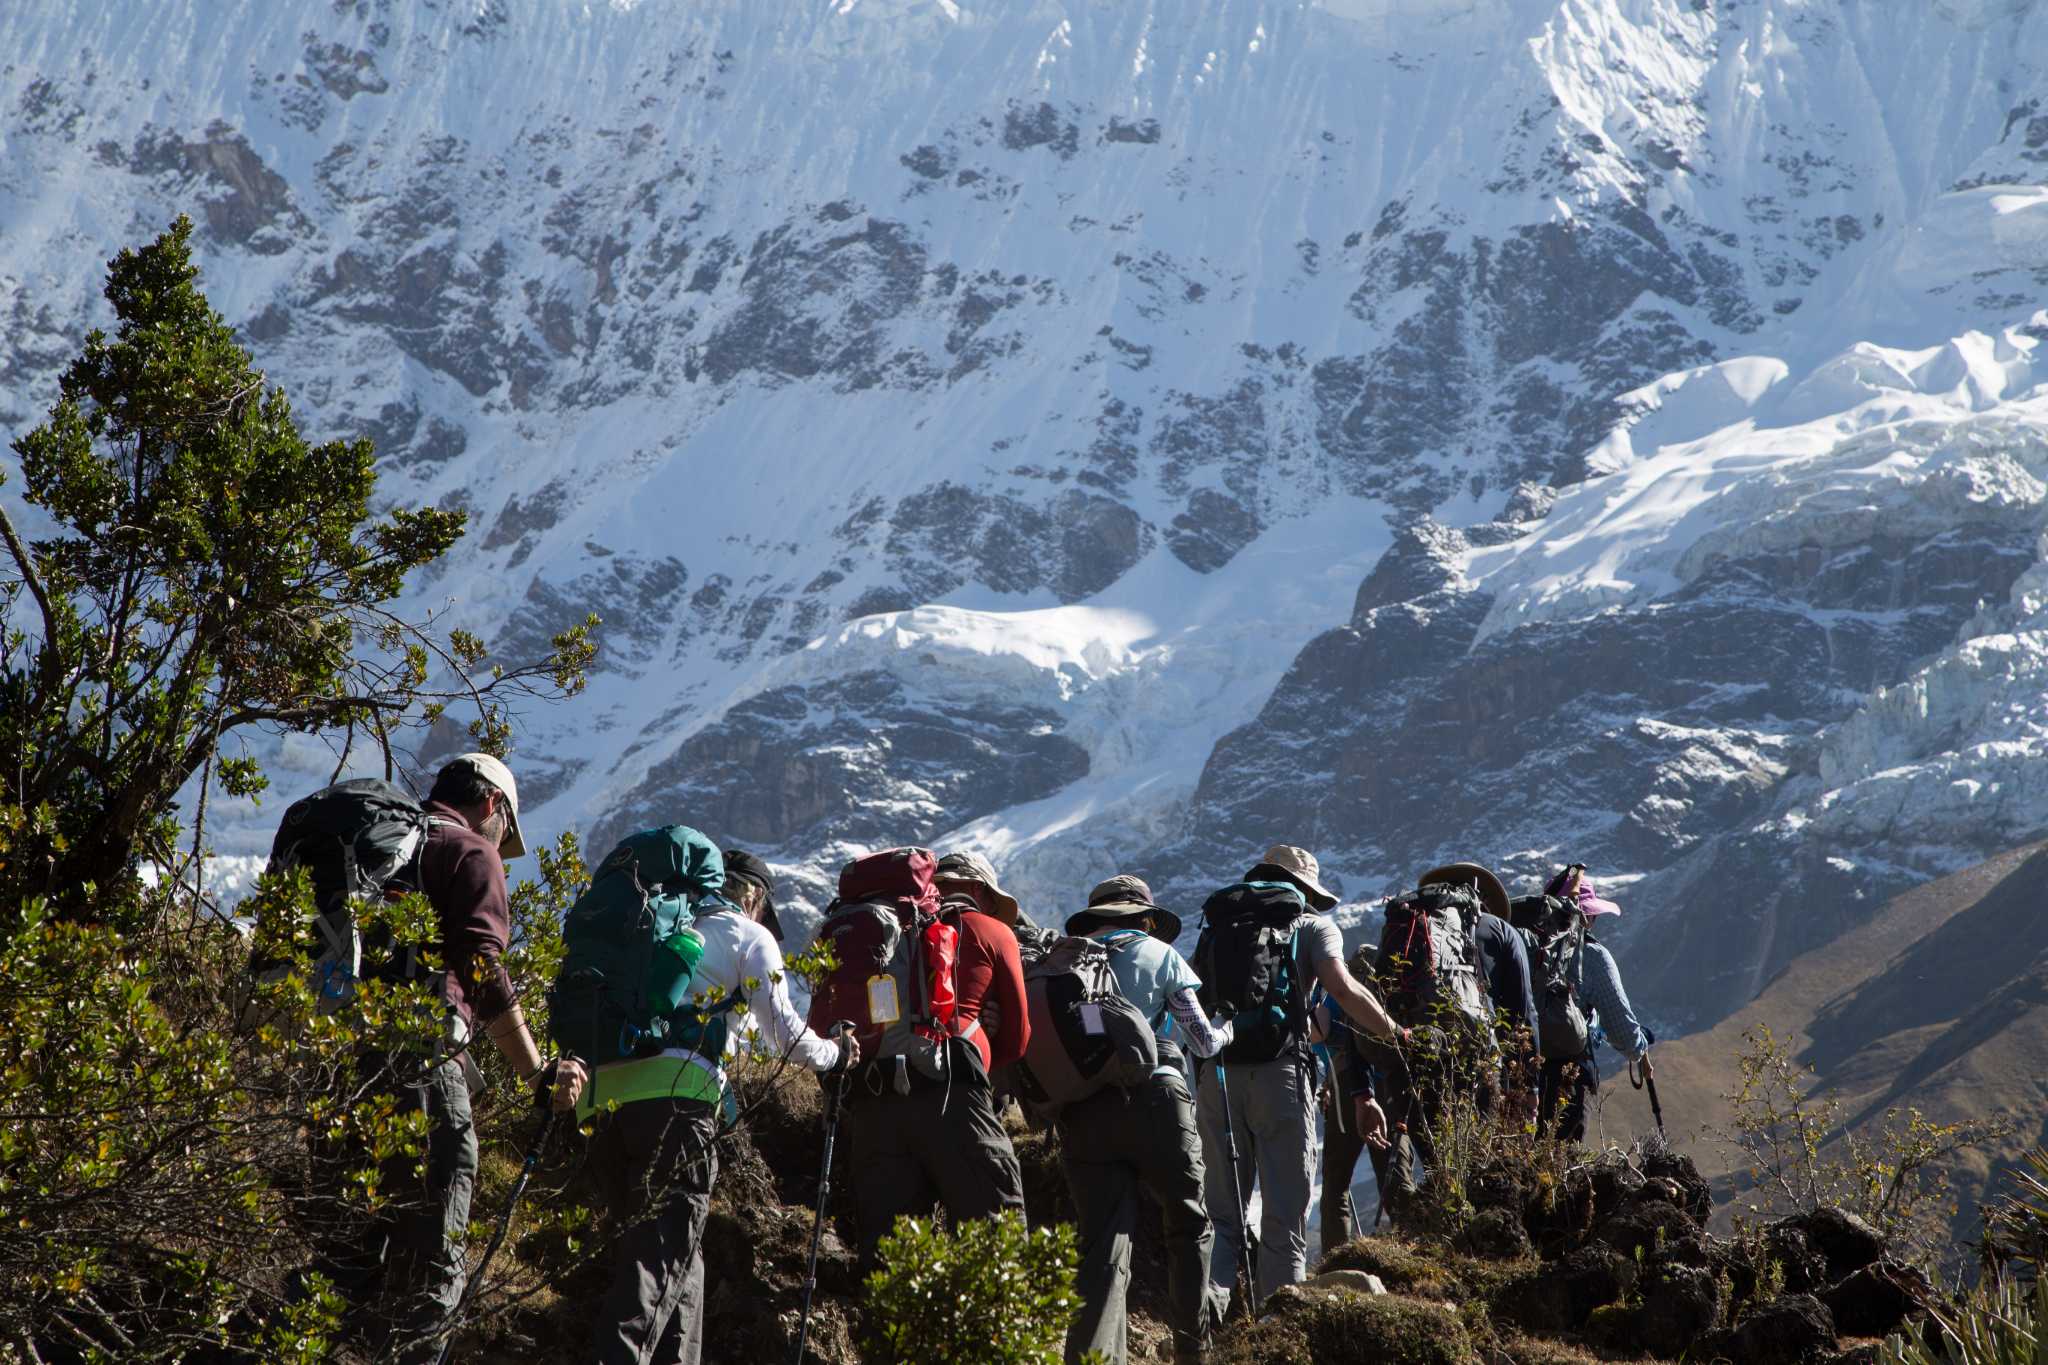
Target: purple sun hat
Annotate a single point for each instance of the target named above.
(1573, 883)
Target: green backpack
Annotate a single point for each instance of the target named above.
(630, 950)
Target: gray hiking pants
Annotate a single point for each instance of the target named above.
(941, 1141)
(1273, 1114)
(654, 1162)
(414, 1251)
(1112, 1145)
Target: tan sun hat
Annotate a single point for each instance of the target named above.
(1302, 869)
(1126, 896)
(493, 770)
(1492, 894)
(972, 867)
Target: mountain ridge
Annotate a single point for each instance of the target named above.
(871, 367)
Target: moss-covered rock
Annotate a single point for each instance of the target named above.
(1497, 1234)
(1560, 1297)
(1400, 1266)
(1795, 1329)
(1342, 1327)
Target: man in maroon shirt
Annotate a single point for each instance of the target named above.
(473, 813)
(945, 1138)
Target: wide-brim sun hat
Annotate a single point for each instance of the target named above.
(1300, 867)
(1581, 891)
(1591, 904)
(492, 769)
(1125, 897)
(972, 867)
(1492, 895)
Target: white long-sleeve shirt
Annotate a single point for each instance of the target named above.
(743, 961)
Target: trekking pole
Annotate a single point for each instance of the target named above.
(1244, 1231)
(540, 1139)
(1648, 1082)
(834, 1105)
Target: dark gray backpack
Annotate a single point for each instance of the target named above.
(1085, 1034)
(1556, 938)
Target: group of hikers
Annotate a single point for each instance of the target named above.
(1199, 1081)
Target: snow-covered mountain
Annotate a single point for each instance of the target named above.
(1118, 433)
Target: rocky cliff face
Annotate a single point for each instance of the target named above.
(975, 422)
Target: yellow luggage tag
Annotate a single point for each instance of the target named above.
(882, 1005)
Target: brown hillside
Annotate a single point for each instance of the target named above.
(1936, 1002)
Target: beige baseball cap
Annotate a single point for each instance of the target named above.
(1301, 866)
(492, 769)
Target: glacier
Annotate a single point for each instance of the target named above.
(1120, 435)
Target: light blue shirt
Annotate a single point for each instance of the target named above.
(1600, 991)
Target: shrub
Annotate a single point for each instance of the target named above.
(1997, 1323)
(1799, 1160)
(992, 1293)
(205, 571)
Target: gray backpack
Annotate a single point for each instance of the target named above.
(1085, 1034)
(1557, 964)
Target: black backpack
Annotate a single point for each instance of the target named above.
(1556, 938)
(1246, 959)
(360, 841)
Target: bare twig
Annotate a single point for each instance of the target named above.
(34, 580)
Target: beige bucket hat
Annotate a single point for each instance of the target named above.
(972, 867)
(492, 769)
(1302, 869)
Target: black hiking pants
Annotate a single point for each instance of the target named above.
(1112, 1145)
(942, 1142)
(1342, 1146)
(1583, 1083)
(654, 1162)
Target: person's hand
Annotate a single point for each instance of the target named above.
(1372, 1121)
(849, 1049)
(559, 1084)
(1649, 1072)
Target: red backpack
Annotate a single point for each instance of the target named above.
(895, 963)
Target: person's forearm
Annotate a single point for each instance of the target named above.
(1204, 1038)
(791, 1037)
(1357, 1002)
(508, 1030)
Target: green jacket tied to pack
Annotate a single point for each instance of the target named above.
(623, 989)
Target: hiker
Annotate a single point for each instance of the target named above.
(1121, 1140)
(1434, 974)
(917, 1136)
(1598, 984)
(472, 826)
(654, 1156)
(1265, 943)
(1504, 958)
(1353, 1121)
